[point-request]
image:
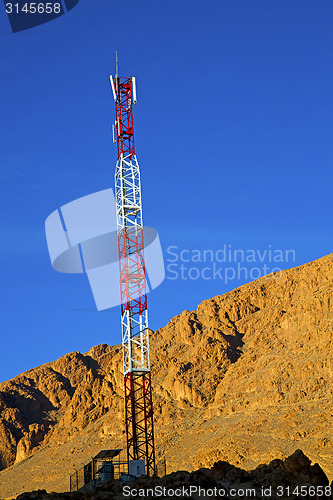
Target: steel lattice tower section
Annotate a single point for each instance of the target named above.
(134, 318)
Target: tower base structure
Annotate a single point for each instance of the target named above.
(139, 419)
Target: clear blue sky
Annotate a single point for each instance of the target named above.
(233, 130)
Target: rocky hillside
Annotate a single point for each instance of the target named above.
(247, 377)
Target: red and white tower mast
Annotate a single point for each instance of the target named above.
(134, 318)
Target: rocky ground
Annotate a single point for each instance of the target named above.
(246, 378)
(290, 478)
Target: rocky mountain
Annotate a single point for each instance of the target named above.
(245, 378)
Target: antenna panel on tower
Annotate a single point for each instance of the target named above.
(133, 90)
(113, 88)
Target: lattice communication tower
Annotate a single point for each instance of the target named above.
(134, 318)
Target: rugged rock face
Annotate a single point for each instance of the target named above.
(247, 377)
(30, 440)
(56, 400)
